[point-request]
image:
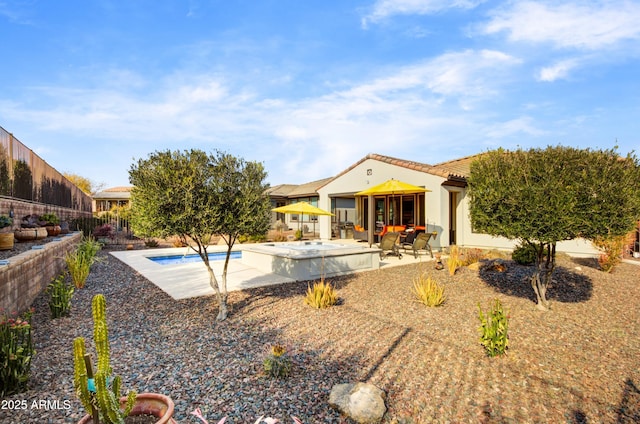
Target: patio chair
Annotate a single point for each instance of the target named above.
(418, 241)
(360, 233)
(389, 245)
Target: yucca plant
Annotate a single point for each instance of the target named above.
(321, 296)
(494, 329)
(428, 291)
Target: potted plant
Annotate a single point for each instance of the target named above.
(6, 236)
(51, 223)
(30, 229)
(100, 392)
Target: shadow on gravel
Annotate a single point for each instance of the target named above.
(629, 409)
(566, 287)
(259, 296)
(587, 262)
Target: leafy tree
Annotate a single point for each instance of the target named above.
(196, 195)
(84, 184)
(543, 196)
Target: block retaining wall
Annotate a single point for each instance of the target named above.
(28, 273)
(22, 208)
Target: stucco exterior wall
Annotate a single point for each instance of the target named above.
(372, 172)
(578, 247)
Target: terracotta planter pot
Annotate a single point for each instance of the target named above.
(53, 230)
(160, 406)
(26, 234)
(6, 241)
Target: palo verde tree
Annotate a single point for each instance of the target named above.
(543, 196)
(196, 195)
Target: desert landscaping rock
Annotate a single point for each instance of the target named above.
(428, 361)
(362, 402)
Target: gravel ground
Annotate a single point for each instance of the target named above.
(578, 363)
(21, 247)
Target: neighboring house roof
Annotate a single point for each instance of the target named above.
(114, 193)
(280, 190)
(300, 190)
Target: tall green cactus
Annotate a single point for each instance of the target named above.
(100, 400)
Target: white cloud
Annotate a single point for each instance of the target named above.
(383, 9)
(465, 74)
(559, 70)
(577, 25)
(521, 125)
(299, 139)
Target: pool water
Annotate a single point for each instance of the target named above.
(191, 258)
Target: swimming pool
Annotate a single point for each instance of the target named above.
(192, 258)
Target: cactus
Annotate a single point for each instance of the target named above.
(100, 400)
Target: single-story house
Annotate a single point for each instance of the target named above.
(284, 194)
(109, 198)
(443, 208)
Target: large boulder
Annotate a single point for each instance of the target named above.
(362, 402)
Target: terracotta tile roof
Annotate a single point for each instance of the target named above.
(309, 189)
(299, 190)
(280, 190)
(458, 168)
(121, 189)
(114, 193)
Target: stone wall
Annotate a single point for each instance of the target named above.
(28, 273)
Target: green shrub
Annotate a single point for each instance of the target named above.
(278, 363)
(79, 266)
(50, 218)
(524, 254)
(60, 294)
(298, 234)
(16, 351)
(321, 296)
(89, 247)
(428, 291)
(79, 261)
(494, 328)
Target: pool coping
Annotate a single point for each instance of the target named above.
(182, 281)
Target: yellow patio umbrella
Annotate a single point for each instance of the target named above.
(389, 187)
(392, 187)
(302, 208)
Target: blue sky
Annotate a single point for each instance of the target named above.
(310, 87)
